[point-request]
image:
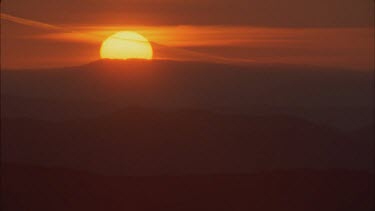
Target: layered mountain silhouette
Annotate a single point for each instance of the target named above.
(167, 135)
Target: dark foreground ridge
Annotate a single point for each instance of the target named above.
(37, 188)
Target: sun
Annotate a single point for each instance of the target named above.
(126, 45)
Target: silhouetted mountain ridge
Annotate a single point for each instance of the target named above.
(142, 141)
(328, 96)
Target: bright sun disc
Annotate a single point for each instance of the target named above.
(126, 45)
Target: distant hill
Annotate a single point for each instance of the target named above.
(170, 83)
(340, 98)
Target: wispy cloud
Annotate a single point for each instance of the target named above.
(29, 22)
(229, 44)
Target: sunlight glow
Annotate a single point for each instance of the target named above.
(126, 45)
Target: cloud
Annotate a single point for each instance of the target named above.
(261, 13)
(29, 22)
(307, 43)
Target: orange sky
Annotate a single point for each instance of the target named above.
(278, 35)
